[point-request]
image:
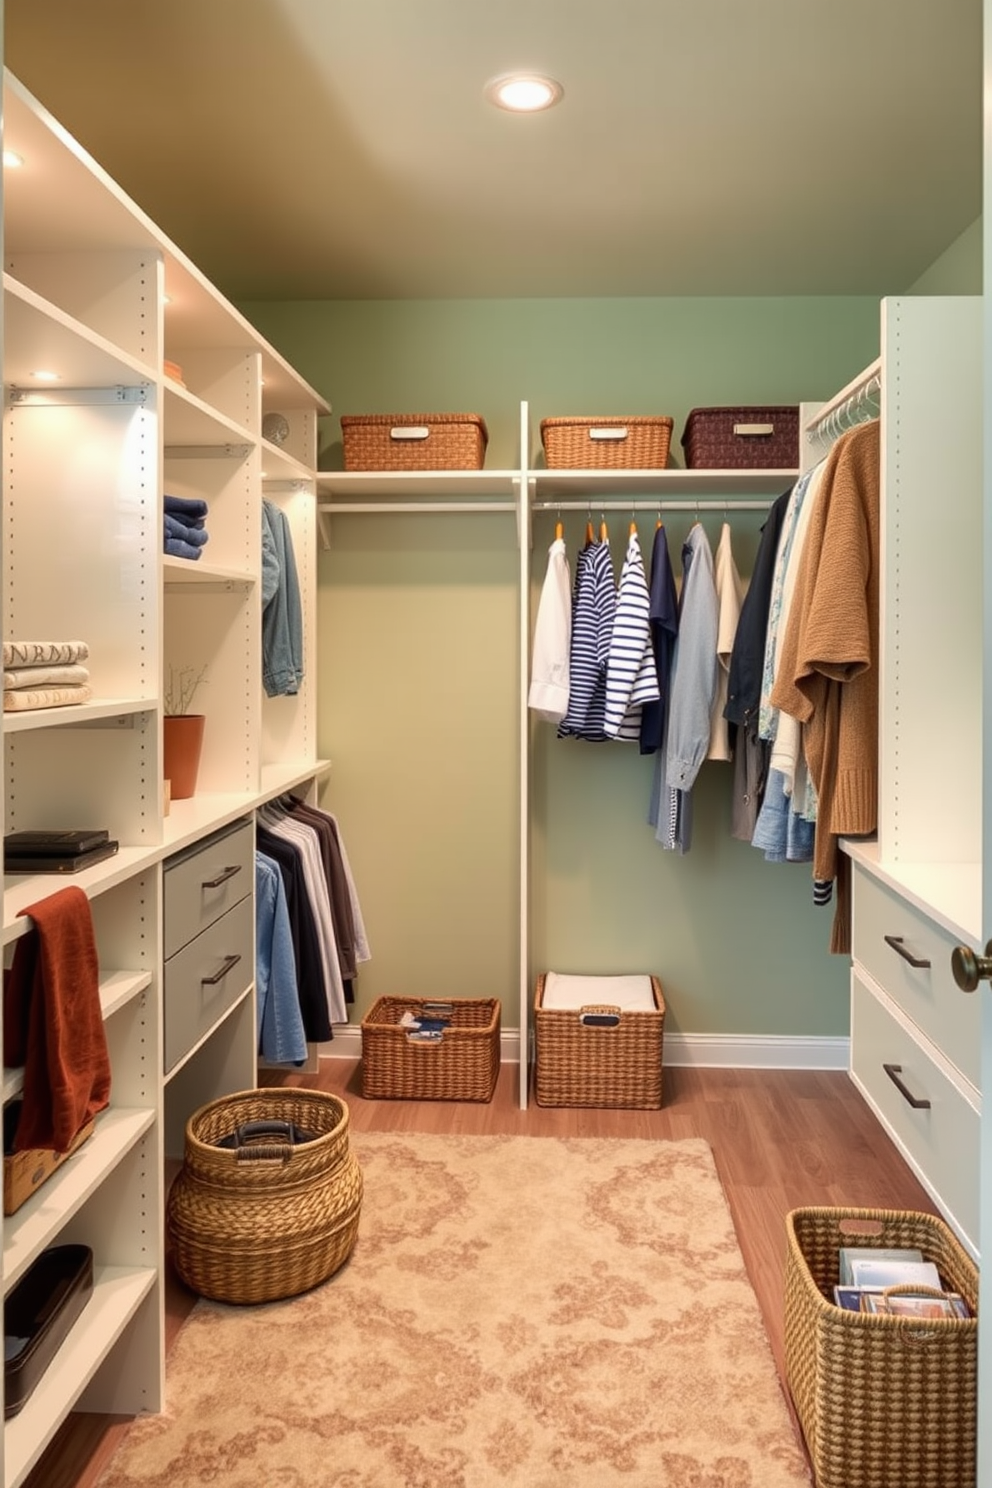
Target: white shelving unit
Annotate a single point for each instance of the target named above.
(97, 295)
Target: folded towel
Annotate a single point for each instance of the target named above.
(173, 527)
(43, 653)
(53, 1023)
(20, 699)
(47, 676)
(187, 507)
(176, 548)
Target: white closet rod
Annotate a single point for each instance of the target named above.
(711, 503)
(394, 508)
(850, 399)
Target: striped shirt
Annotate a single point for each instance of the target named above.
(631, 675)
(593, 609)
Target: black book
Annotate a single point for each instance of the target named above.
(48, 863)
(56, 844)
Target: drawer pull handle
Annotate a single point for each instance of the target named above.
(215, 883)
(894, 1071)
(898, 945)
(969, 969)
(229, 963)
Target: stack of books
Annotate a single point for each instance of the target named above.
(56, 851)
(868, 1274)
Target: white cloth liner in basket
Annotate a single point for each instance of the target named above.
(631, 994)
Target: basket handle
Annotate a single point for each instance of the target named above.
(751, 429)
(247, 1149)
(613, 431)
(595, 1015)
(409, 431)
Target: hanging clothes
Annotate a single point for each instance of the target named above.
(729, 595)
(631, 676)
(663, 615)
(828, 678)
(282, 609)
(548, 695)
(690, 702)
(744, 679)
(306, 945)
(593, 611)
(281, 1035)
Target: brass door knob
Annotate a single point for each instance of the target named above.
(969, 969)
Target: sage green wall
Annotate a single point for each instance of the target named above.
(418, 684)
(958, 270)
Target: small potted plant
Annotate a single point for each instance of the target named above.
(182, 731)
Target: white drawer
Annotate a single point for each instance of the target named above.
(206, 978)
(927, 992)
(204, 882)
(942, 1139)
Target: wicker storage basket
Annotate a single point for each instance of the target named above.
(598, 1055)
(270, 1218)
(884, 1402)
(742, 438)
(606, 443)
(461, 1065)
(414, 441)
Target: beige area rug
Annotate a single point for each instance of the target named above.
(518, 1312)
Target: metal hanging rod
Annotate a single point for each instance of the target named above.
(854, 404)
(708, 503)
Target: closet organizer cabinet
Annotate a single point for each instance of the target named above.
(97, 297)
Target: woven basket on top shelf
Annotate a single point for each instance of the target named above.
(273, 1217)
(639, 443)
(414, 441)
(884, 1402)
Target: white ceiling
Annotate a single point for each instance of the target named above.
(343, 148)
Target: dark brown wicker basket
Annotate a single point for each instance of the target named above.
(258, 1223)
(414, 441)
(462, 1065)
(884, 1402)
(581, 1064)
(742, 438)
(640, 443)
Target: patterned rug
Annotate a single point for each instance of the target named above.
(518, 1312)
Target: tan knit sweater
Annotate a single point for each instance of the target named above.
(828, 675)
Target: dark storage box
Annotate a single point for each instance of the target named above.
(38, 1314)
(742, 438)
(414, 441)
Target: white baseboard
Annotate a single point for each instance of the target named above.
(702, 1050)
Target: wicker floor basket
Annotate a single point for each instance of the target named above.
(461, 1065)
(273, 1217)
(606, 443)
(884, 1402)
(414, 441)
(615, 1062)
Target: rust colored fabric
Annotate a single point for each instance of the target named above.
(53, 1023)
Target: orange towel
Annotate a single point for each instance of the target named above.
(53, 1023)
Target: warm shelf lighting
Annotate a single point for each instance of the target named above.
(43, 376)
(524, 93)
(11, 158)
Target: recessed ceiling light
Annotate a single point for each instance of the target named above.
(11, 158)
(43, 376)
(524, 93)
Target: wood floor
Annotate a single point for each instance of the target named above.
(781, 1139)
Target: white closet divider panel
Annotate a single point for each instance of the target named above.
(931, 653)
(228, 379)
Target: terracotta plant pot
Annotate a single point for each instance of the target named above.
(183, 739)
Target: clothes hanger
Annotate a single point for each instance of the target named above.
(590, 535)
(604, 535)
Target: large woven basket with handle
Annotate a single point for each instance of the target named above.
(884, 1402)
(268, 1200)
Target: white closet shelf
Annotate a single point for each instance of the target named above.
(117, 989)
(118, 1292)
(413, 485)
(120, 712)
(184, 571)
(190, 423)
(43, 1216)
(37, 335)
